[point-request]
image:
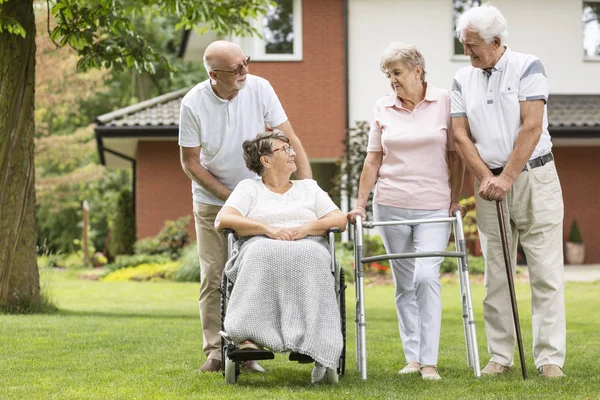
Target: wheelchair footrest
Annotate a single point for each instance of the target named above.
(301, 358)
(250, 354)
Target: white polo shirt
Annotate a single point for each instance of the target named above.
(491, 103)
(220, 127)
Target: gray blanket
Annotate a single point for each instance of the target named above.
(284, 297)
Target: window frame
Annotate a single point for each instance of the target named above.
(457, 57)
(255, 45)
(594, 58)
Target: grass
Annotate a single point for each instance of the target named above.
(142, 340)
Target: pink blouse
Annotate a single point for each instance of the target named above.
(414, 172)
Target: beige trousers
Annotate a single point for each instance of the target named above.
(533, 212)
(212, 251)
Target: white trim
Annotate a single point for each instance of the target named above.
(255, 46)
(591, 59)
(459, 57)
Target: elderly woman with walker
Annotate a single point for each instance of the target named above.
(419, 176)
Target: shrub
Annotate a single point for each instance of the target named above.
(71, 260)
(143, 272)
(135, 260)
(169, 241)
(123, 226)
(189, 265)
(574, 233)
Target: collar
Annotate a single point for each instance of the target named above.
(501, 64)
(431, 95)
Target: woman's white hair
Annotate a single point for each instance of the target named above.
(487, 20)
(408, 55)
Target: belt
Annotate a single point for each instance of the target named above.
(533, 163)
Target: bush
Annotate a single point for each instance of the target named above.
(169, 241)
(135, 260)
(123, 226)
(143, 272)
(450, 265)
(71, 260)
(574, 233)
(189, 265)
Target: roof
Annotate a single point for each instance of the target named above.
(159, 111)
(573, 111)
(565, 112)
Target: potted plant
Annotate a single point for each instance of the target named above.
(575, 249)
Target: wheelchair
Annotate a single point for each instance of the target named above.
(463, 272)
(232, 357)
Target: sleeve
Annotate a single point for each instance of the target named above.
(323, 203)
(189, 128)
(449, 132)
(273, 112)
(242, 197)
(374, 143)
(533, 84)
(457, 103)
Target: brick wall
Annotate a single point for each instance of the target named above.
(164, 192)
(312, 91)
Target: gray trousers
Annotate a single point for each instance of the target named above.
(417, 281)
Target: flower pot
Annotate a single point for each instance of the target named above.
(574, 253)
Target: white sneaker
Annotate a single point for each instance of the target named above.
(318, 373)
(409, 369)
(431, 376)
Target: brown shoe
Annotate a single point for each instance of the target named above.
(211, 365)
(551, 371)
(493, 368)
(252, 366)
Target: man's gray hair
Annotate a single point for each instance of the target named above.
(408, 55)
(486, 20)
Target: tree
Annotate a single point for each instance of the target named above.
(102, 34)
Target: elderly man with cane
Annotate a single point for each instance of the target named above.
(500, 125)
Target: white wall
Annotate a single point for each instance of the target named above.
(549, 29)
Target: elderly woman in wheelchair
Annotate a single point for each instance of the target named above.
(284, 296)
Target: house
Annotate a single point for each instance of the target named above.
(328, 77)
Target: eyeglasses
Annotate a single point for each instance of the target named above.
(287, 148)
(238, 69)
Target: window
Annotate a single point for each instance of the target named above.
(591, 29)
(281, 30)
(460, 6)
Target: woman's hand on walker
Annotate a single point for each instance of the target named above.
(456, 206)
(358, 210)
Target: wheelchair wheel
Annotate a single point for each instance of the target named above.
(223, 306)
(342, 302)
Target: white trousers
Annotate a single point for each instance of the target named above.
(417, 281)
(533, 213)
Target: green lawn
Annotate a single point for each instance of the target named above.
(143, 340)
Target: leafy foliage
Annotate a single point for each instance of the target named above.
(124, 261)
(189, 265)
(104, 34)
(351, 163)
(575, 233)
(169, 241)
(123, 225)
(143, 272)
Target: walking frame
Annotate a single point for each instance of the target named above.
(463, 272)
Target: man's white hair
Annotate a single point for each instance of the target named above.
(486, 20)
(408, 55)
(206, 65)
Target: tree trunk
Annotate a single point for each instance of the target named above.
(19, 276)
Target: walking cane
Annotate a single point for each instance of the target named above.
(511, 285)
